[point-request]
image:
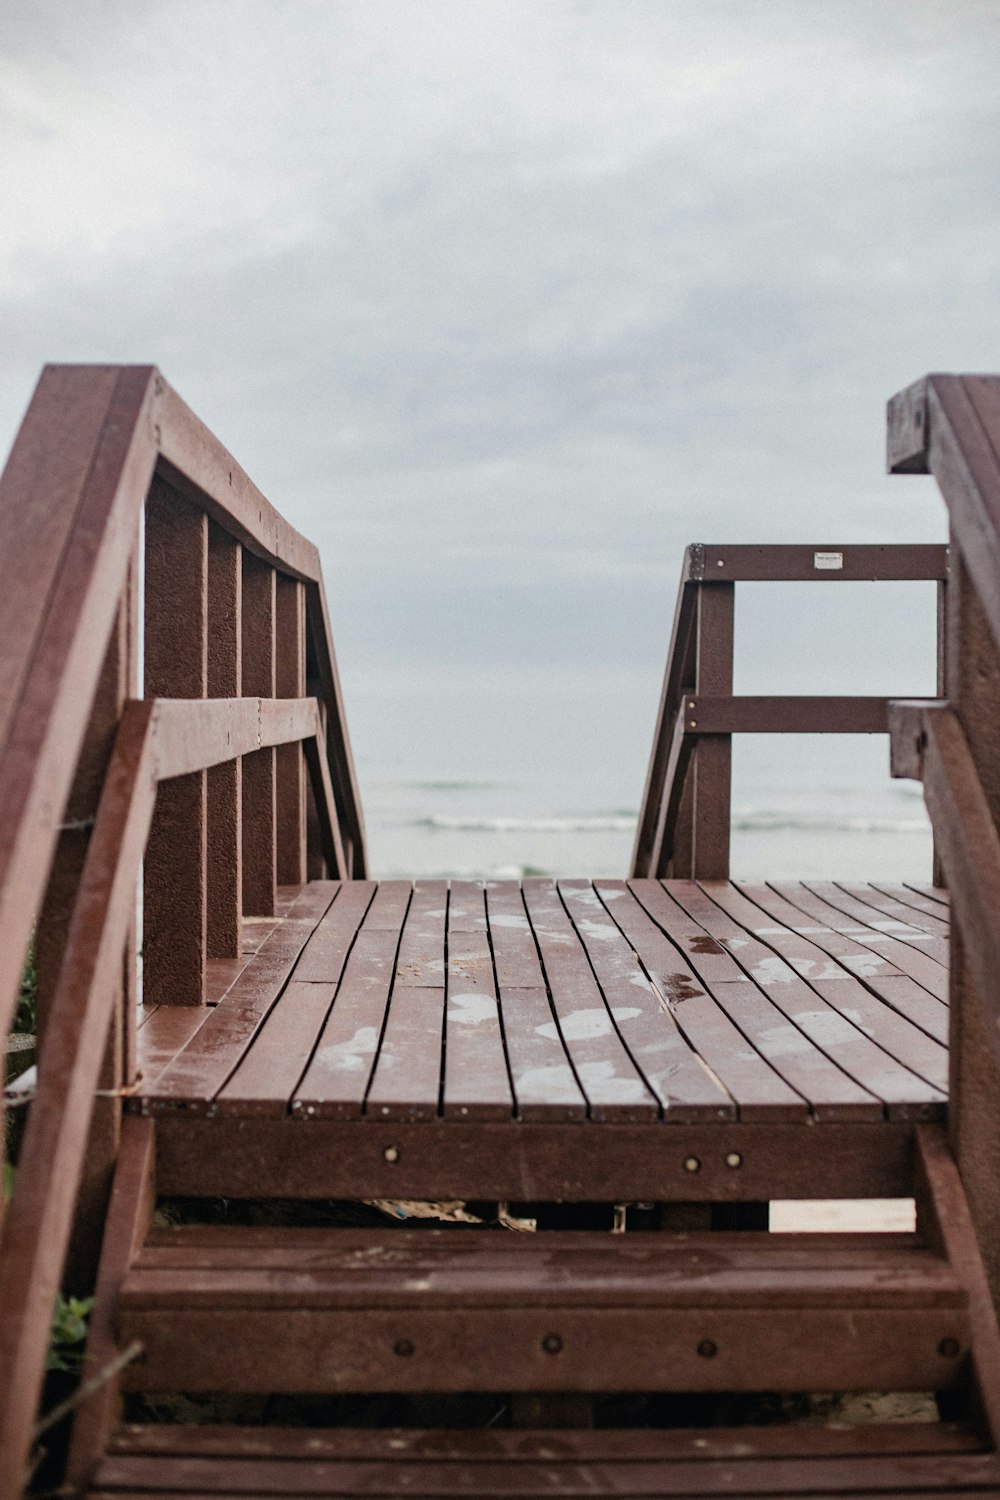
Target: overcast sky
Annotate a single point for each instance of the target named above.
(504, 301)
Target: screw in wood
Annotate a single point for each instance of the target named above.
(692, 1164)
(707, 1349)
(734, 1160)
(391, 1153)
(552, 1343)
(949, 1348)
(403, 1347)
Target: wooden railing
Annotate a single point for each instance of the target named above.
(225, 773)
(949, 426)
(684, 822)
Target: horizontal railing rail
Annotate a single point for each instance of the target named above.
(216, 771)
(684, 821)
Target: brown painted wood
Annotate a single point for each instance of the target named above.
(330, 851)
(406, 1079)
(936, 895)
(830, 1092)
(224, 1267)
(651, 1024)
(259, 807)
(37, 1221)
(797, 563)
(613, 1445)
(476, 1083)
(70, 495)
(515, 954)
(609, 1078)
(557, 1470)
(266, 1075)
(324, 955)
(166, 1033)
(944, 1218)
(340, 758)
(289, 765)
(176, 636)
(592, 1161)
(421, 951)
(194, 1077)
(712, 767)
(838, 934)
(928, 961)
(893, 1033)
(890, 900)
(337, 1078)
(225, 782)
(706, 714)
(904, 1095)
(130, 1210)
(602, 1347)
(545, 1086)
(544, 1083)
(678, 677)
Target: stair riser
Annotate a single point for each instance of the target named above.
(584, 1162)
(287, 1350)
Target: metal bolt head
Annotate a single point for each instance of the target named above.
(734, 1160)
(692, 1164)
(707, 1349)
(552, 1343)
(403, 1347)
(391, 1153)
(949, 1348)
(720, 563)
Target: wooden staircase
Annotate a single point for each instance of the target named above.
(549, 1324)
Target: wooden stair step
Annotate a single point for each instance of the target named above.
(168, 1461)
(259, 1309)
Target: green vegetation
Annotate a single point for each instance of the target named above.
(69, 1330)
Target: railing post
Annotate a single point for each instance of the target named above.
(289, 682)
(973, 666)
(259, 870)
(174, 903)
(225, 802)
(710, 774)
(937, 870)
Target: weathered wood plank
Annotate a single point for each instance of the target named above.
(830, 1092)
(650, 1022)
(905, 1095)
(421, 949)
(613, 1086)
(266, 1075)
(337, 1078)
(515, 955)
(592, 1161)
(196, 1075)
(476, 1080)
(893, 1032)
(324, 955)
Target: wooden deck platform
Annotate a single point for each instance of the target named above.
(373, 1010)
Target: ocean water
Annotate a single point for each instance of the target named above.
(532, 782)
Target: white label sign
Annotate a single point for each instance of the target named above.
(828, 561)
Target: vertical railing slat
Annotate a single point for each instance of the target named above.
(289, 682)
(259, 869)
(225, 800)
(176, 623)
(712, 761)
